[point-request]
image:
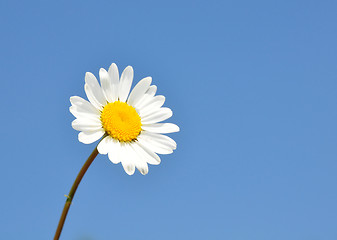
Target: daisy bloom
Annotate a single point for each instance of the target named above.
(129, 122)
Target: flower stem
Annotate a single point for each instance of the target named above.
(71, 194)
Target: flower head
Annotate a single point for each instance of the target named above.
(129, 123)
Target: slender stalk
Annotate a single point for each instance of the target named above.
(71, 194)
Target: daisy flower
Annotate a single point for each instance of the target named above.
(129, 122)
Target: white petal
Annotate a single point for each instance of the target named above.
(139, 160)
(148, 155)
(158, 116)
(86, 125)
(79, 112)
(126, 159)
(142, 166)
(125, 83)
(161, 127)
(90, 137)
(94, 88)
(83, 104)
(154, 146)
(152, 90)
(152, 106)
(160, 139)
(146, 97)
(92, 98)
(114, 151)
(106, 84)
(139, 90)
(104, 145)
(114, 76)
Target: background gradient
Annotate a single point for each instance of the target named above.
(252, 85)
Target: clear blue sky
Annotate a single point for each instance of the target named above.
(253, 87)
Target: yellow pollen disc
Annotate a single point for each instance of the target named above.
(121, 121)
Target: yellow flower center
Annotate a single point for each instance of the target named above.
(121, 121)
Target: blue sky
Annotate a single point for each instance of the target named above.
(252, 85)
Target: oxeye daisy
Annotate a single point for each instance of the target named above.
(129, 122)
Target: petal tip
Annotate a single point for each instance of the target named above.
(72, 98)
(129, 172)
(102, 71)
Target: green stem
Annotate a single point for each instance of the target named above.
(73, 191)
